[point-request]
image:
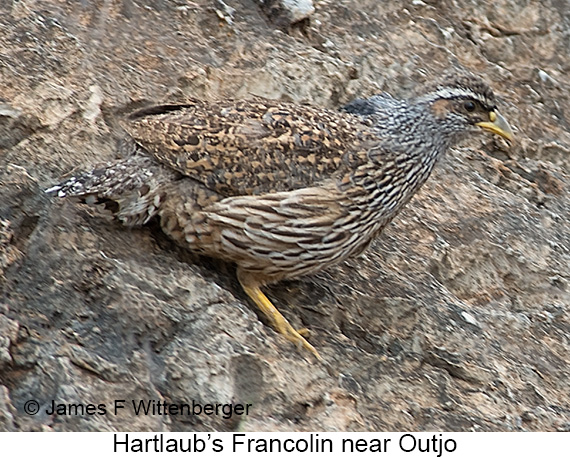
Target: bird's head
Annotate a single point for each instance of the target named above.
(465, 103)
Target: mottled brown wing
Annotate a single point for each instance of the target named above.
(250, 147)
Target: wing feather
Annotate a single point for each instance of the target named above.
(251, 147)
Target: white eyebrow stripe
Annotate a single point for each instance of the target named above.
(459, 92)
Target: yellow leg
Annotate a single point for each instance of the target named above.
(277, 320)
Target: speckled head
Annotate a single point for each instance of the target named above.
(464, 102)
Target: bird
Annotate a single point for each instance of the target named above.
(280, 189)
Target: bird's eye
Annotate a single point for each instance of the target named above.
(469, 106)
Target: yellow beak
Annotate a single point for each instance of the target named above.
(497, 124)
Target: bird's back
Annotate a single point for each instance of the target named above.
(252, 147)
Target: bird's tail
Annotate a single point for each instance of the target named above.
(130, 189)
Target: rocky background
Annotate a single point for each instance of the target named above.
(455, 319)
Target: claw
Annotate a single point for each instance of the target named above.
(276, 318)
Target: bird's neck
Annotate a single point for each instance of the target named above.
(416, 129)
(400, 164)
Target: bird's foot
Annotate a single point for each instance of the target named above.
(278, 321)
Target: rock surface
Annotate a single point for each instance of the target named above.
(457, 318)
